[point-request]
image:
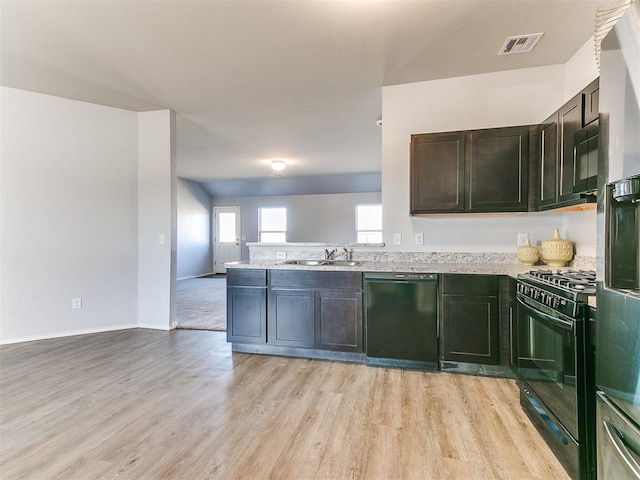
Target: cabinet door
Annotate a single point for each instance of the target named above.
(246, 314)
(339, 320)
(586, 159)
(291, 318)
(591, 99)
(570, 121)
(470, 328)
(438, 172)
(549, 161)
(499, 170)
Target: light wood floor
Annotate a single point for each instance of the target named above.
(148, 404)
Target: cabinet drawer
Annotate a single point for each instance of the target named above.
(315, 279)
(246, 277)
(469, 284)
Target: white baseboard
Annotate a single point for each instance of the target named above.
(70, 333)
(196, 276)
(153, 327)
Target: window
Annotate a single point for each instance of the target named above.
(273, 224)
(227, 227)
(369, 223)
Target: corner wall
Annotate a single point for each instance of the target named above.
(157, 214)
(68, 208)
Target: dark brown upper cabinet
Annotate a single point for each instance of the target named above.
(570, 121)
(591, 99)
(498, 180)
(438, 172)
(476, 171)
(569, 152)
(549, 161)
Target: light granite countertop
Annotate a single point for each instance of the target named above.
(509, 269)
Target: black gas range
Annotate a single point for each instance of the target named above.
(556, 363)
(564, 292)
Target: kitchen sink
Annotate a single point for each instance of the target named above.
(305, 262)
(327, 263)
(342, 263)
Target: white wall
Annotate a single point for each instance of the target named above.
(156, 219)
(310, 218)
(580, 70)
(68, 209)
(194, 255)
(515, 97)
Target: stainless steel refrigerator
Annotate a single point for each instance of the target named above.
(618, 262)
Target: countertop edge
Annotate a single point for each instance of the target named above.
(507, 269)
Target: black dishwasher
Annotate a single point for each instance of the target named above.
(401, 316)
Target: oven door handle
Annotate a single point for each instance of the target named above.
(548, 318)
(621, 449)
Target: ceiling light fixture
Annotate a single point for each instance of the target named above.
(278, 165)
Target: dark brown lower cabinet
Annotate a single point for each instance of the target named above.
(291, 318)
(247, 314)
(339, 320)
(513, 333)
(247, 306)
(470, 319)
(316, 309)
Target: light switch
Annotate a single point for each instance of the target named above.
(397, 239)
(161, 239)
(419, 238)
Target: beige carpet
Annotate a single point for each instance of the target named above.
(202, 303)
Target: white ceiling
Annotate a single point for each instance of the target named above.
(254, 80)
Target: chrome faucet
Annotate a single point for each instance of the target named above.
(330, 255)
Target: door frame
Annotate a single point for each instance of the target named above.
(220, 268)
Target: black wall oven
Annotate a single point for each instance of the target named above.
(555, 368)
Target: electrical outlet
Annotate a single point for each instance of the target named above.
(76, 303)
(419, 238)
(397, 239)
(281, 255)
(523, 238)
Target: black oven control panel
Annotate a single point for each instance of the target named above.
(564, 293)
(554, 307)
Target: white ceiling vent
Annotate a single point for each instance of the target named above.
(520, 43)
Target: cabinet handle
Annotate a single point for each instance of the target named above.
(623, 451)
